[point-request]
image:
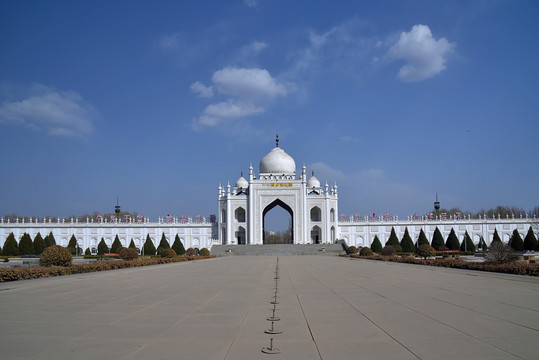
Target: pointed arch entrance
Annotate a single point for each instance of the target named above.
(286, 239)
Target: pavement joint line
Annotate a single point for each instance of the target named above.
(362, 314)
(441, 322)
(520, 307)
(304, 316)
(241, 324)
(485, 314)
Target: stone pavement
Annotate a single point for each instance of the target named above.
(330, 308)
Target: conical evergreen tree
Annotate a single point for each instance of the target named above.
(164, 244)
(437, 240)
(452, 242)
(149, 247)
(394, 240)
(50, 240)
(515, 242)
(178, 246)
(132, 244)
(467, 243)
(530, 242)
(407, 244)
(0, 250)
(376, 245)
(72, 245)
(116, 245)
(10, 246)
(26, 247)
(422, 240)
(102, 247)
(87, 252)
(483, 244)
(495, 238)
(39, 244)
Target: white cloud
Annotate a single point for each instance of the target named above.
(424, 55)
(58, 113)
(251, 3)
(253, 49)
(202, 90)
(247, 83)
(232, 109)
(249, 92)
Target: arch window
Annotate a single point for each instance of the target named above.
(223, 216)
(332, 215)
(332, 234)
(316, 214)
(239, 214)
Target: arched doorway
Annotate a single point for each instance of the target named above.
(316, 235)
(288, 234)
(240, 236)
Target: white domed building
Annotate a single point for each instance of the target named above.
(242, 208)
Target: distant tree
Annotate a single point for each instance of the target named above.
(132, 244)
(50, 240)
(467, 243)
(11, 247)
(388, 250)
(530, 242)
(164, 244)
(376, 245)
(422, 240)
(102, 247)
(116, 245)
(515, 242)
(495, 238)
(39, 244)
(394, 240)
(452, 242)
(437, 240)
(407, 244)
(149, 247)
(178, 246)
(72, 245)
(26, 247)
(500, 252)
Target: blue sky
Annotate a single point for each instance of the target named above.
(158, 102)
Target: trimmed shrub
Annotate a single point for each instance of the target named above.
(39, 244)
(168, 253)
(426, 251)
(376, 245)
(128, 253)
(422, 240)
(388, 250)
(10, 246)
(55, 255)
(132, 245)
(530, 242)
(178, 246)
(482, 244)
(394, 240)
(515, 242)
(72, 246)
(351, 250)
(49, 240)
(190, 252)
(87, 252)
(102, 247)
(407, 244)
(437, 240)
(366, 252)
(452, 242)
(26, 247)
(204, 252)
(116, 245)
(467, 243)
(164, 244)
(149, 247)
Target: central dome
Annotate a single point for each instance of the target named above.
(277, 162)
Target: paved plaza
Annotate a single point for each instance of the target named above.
(330, 308)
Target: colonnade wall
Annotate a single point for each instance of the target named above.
(88, 235)
(362, 233)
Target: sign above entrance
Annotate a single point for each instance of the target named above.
(280, 184)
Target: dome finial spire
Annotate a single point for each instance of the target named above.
(277, 140)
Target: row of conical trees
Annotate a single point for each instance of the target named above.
(452, 242)
(27, 246)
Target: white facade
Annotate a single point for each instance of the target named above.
(242, 208)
